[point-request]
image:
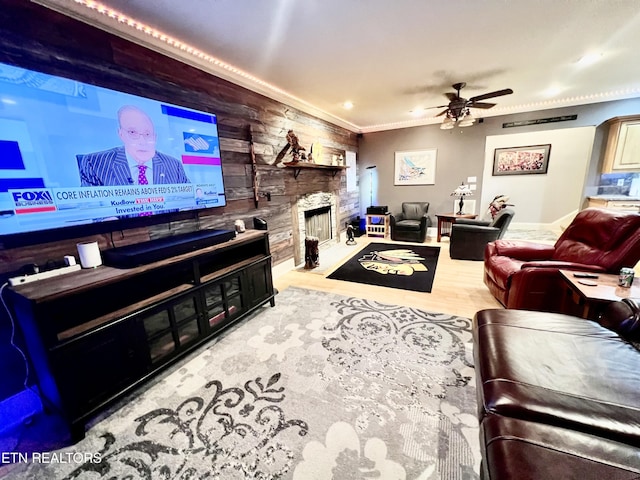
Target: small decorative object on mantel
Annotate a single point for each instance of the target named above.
(461, 192)
(316, 149)
(297, 151)
(310, 156)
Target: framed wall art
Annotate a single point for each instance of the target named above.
(521, 160)
(415, 167)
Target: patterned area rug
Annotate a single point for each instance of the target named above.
(408, 267)
(319, 387)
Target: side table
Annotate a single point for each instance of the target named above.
(446, 220)
(587, 301)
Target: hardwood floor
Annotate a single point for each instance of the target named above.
(458, 288)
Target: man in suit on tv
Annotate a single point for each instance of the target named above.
(136, 162)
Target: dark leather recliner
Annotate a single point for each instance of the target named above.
(470, 237)
(411, 225)
(525, 275)
(557, 394)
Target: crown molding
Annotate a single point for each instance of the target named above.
(99, 16)
(102, 17)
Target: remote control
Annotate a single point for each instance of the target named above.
(585, 275)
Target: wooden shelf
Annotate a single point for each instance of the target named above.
(318, 166)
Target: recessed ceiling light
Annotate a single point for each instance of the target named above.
(553, 91)
(347, 105)
(589, 59)
(417, 112)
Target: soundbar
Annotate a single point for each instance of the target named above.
(162, 248)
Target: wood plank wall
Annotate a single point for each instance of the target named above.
(38, 38)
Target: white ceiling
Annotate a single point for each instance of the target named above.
(390, 57)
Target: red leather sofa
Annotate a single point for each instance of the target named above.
(558, 395)
(525, 275)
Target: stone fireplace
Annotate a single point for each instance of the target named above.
(316, 215)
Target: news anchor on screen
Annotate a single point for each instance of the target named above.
(136, 162)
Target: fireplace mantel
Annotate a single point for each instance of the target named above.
(297, 166)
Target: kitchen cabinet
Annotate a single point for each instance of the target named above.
(622, 152)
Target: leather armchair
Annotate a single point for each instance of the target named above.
(470, 237)
(411, 224)
(524, 275)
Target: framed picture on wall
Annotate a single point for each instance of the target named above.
(521, 160)
(415, 167)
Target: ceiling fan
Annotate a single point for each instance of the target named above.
(458, 107)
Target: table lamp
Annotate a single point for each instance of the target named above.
(461, 192)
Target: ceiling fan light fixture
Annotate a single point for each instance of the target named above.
(457, 112)
(468, 120)
(448, 123)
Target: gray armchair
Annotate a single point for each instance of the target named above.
(411, 225)
(470, 237)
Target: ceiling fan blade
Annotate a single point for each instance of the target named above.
(442, 112)
(481, 105)
(498, 93)
(451, 96)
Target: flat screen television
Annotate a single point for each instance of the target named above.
(82, 158)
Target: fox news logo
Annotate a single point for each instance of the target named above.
(32, 198)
